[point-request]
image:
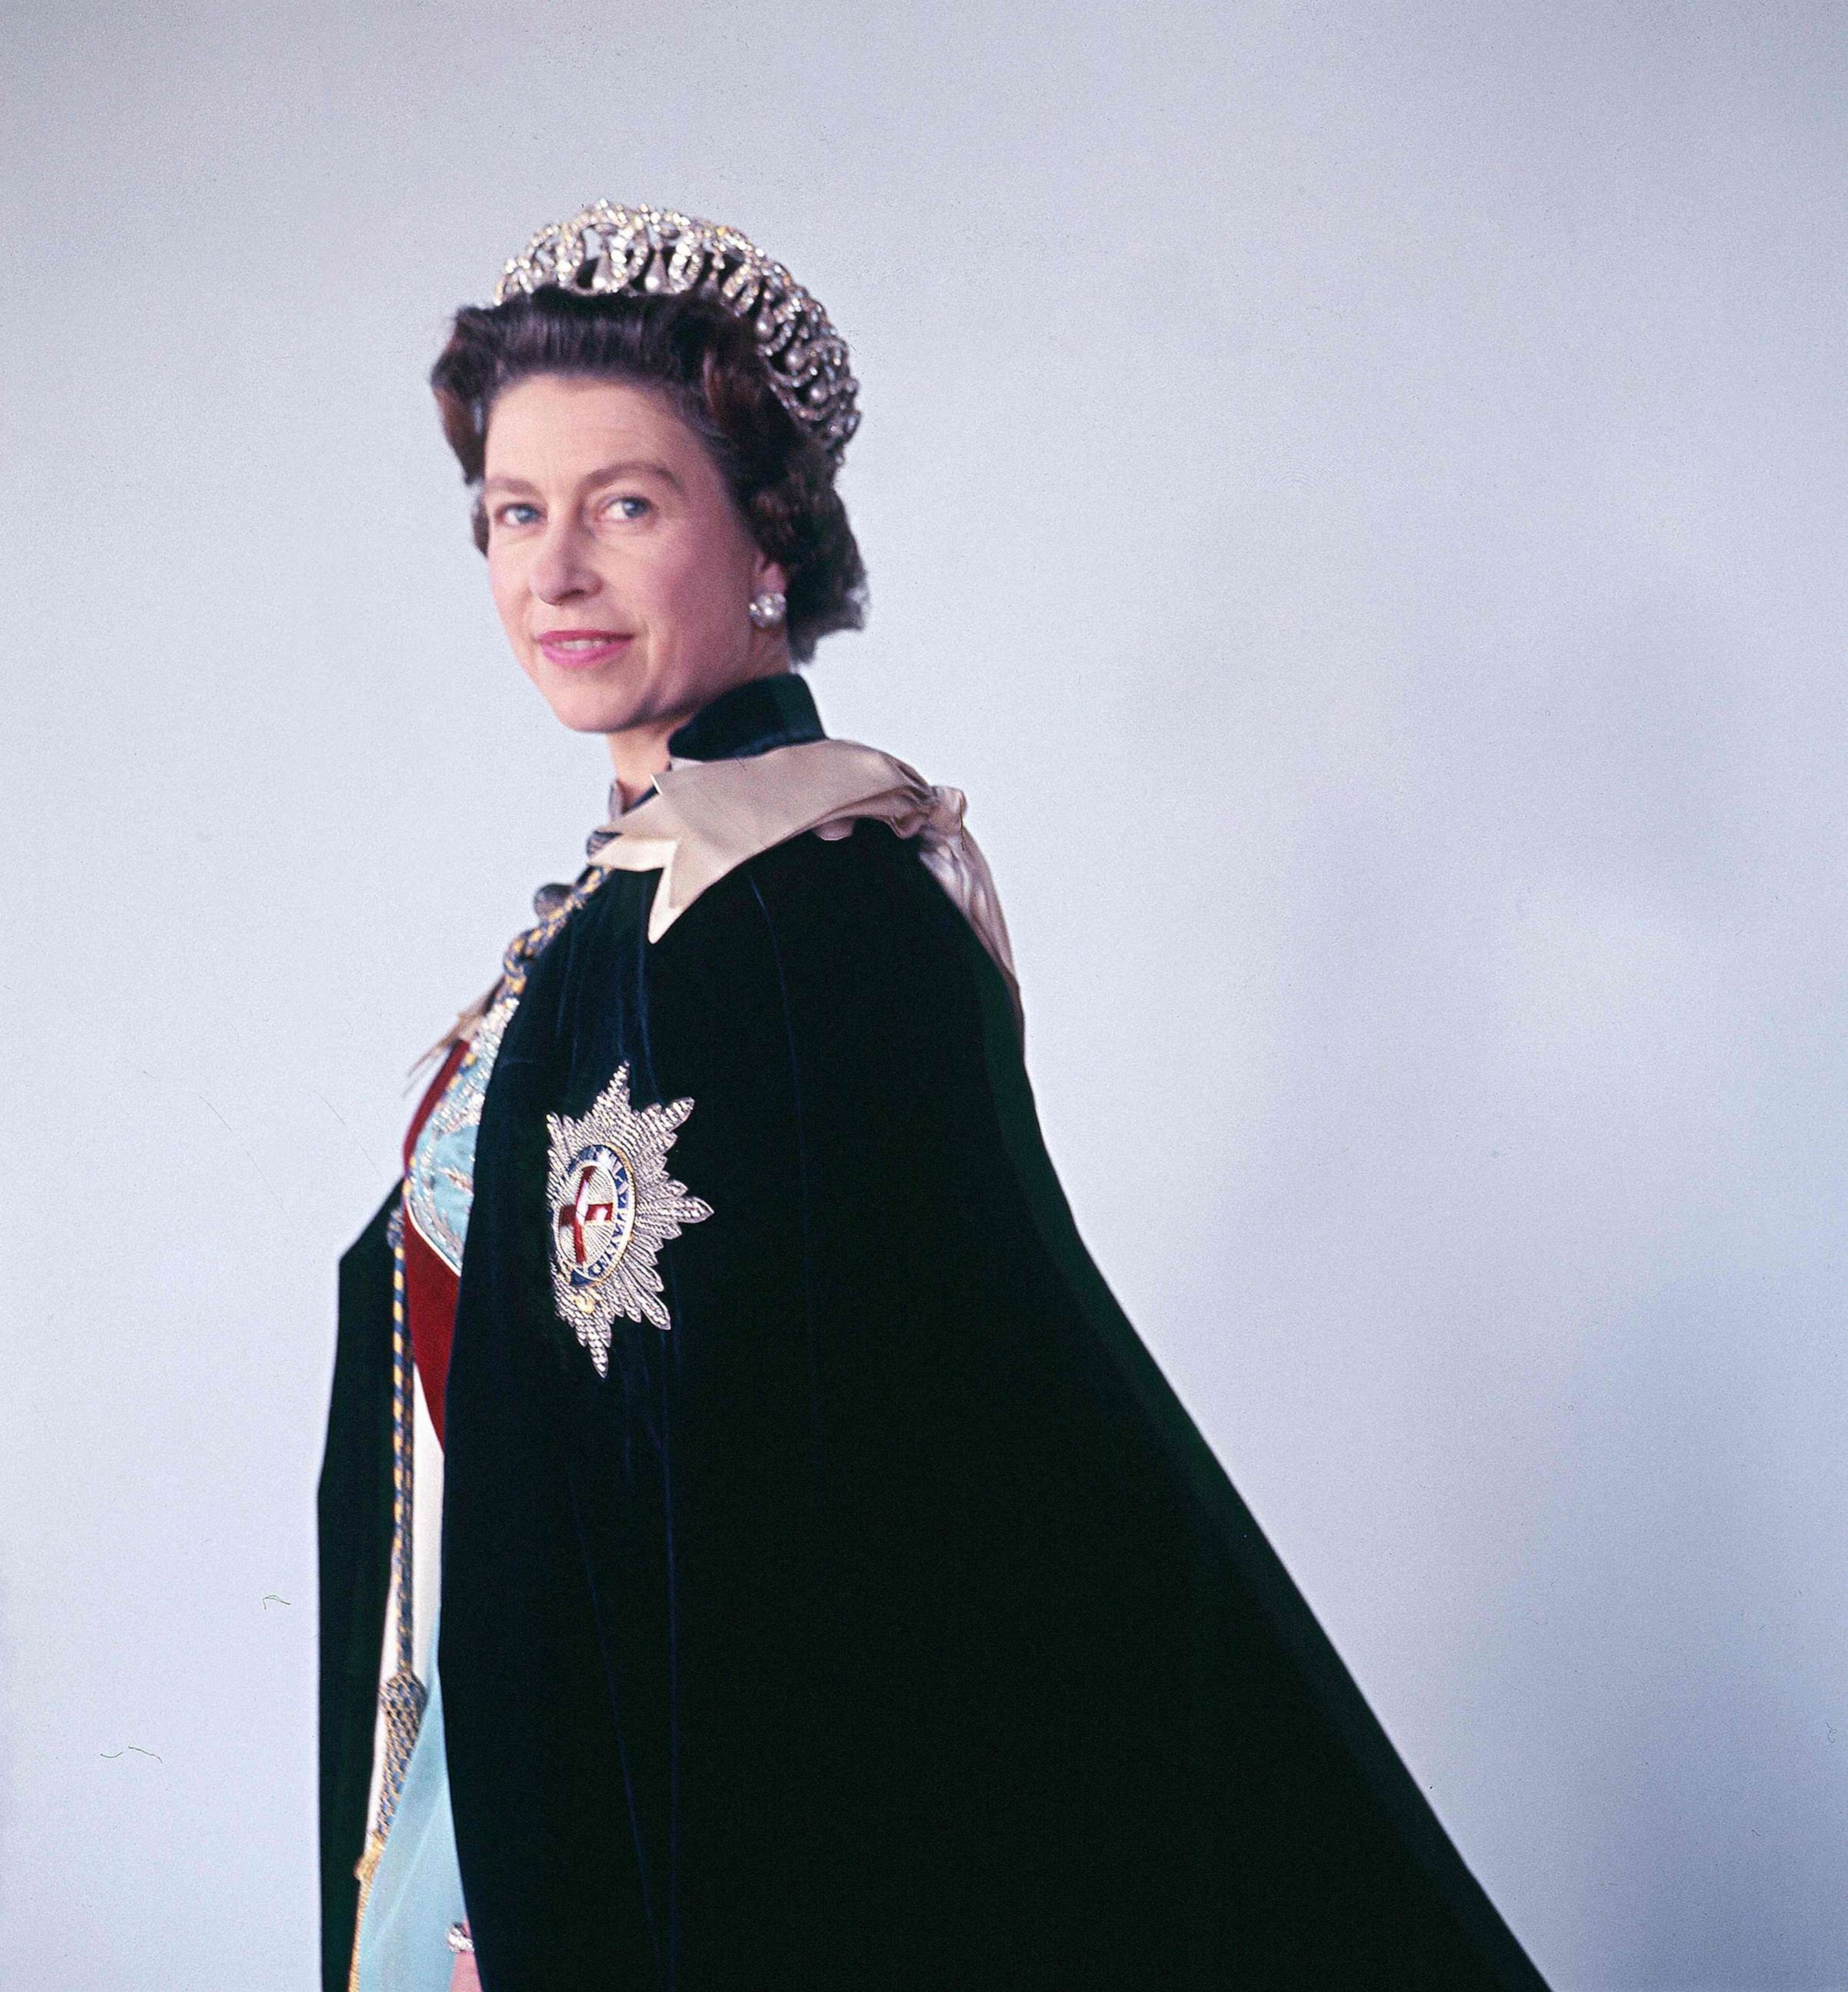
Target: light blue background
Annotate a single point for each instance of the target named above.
(1355, 493)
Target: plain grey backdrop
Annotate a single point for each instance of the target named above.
(1355, 493)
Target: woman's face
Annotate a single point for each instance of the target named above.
(622, 570)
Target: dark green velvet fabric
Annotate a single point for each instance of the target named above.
(885, 1623)
(354, 1515)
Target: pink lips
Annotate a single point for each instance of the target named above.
(577, 650)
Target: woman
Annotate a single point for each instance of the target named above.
(834, 1593)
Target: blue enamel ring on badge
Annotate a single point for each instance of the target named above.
(592, 1227)
(612, 1206)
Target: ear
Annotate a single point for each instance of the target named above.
(768, 574)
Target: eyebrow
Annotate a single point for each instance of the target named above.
(609, 474)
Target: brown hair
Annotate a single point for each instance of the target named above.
(705, 362)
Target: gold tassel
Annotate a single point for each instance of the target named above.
(368, 1867)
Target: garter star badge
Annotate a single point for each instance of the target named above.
(613, 1206)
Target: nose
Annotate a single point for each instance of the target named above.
(560, 570)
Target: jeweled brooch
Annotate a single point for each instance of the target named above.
(612, 1206)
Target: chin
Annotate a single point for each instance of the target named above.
(588, 716)
(590, 708)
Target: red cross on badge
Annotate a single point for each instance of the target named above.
(582, 1210)
(612, 1206)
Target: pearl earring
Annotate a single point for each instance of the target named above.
(767, 609)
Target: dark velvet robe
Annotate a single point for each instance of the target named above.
(886, 1623)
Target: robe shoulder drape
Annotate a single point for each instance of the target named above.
(884, 1622)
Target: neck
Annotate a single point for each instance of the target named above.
(639, 753)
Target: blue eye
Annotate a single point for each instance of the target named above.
(506, 513)
(629, 507)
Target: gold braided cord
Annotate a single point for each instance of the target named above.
(402, 1696)
(524, 949)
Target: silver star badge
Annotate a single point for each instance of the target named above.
(612, 1206)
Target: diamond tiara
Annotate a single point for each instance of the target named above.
(606, 251)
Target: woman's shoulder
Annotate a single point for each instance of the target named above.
(822, 876)
(848, 923)
(861, 894)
